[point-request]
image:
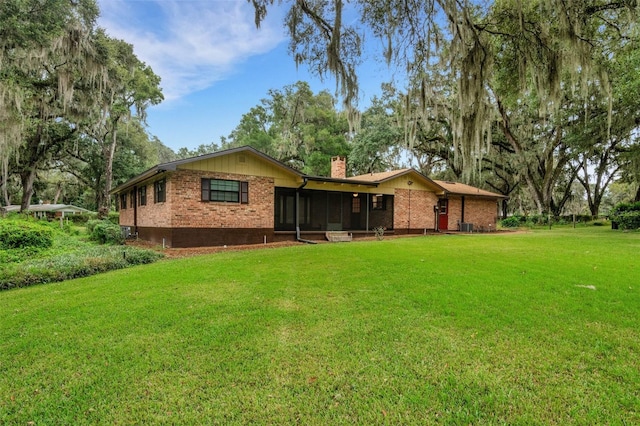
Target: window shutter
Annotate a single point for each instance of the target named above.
(244, 192)
(206, 194)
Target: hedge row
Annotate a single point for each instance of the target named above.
(541, 219)
(77, 264)
(626, 216)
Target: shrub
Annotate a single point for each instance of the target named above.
(81, 219)
(74, 265)
(18, 254)
(628, 220)
(626, 215)
(106, 232)
(92, 224)
(114, 217)
(537, 220)
(21, 234)
(511, 222)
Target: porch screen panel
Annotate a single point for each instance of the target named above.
(285, 209)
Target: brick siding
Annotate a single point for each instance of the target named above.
(455, 212)
(414, 209)
(185, 209)
(482, 213)
(192, 212)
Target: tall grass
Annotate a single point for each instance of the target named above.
(533, 328)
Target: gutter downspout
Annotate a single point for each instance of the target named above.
(304, 183)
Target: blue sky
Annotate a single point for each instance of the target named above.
(214, 64)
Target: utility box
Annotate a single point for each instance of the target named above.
(466, 227)
(126, 231)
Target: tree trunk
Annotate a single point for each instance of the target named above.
(5, 181)
(637, 197)
(108, 152)
(58, 193)
(27, 177)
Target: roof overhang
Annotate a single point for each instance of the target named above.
(140, 178)
(341, 181)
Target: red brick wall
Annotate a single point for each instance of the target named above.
(455, 212)
(126, 215)
(414, 209)
(190, 212)
(183, 207)
(482, 213)
(156, 214)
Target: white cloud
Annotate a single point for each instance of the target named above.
(190, 44)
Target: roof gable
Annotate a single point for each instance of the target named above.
(188, 163)
(174, 165)
(382, 177)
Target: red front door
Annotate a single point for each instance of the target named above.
(443, 215)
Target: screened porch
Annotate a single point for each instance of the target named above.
(332, 210)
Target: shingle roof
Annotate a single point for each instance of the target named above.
(371, 178)
(464, 189)
(381, 176)
(47, 208)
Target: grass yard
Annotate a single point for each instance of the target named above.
(532, 328)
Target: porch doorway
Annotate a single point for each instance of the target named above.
(334, 211)
(356, 211)
(443, 214)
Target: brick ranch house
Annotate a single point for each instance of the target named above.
(242, 196)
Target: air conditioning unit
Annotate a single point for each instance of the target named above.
(126, 231)
(466, 227)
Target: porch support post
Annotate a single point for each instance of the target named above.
(367, 220)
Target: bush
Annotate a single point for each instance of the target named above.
(106, 232)
(628, 220)
(81, 219)
(511, 222)
(114, 217)
(16, 234)
(17, 255)
(74, 265)
(91, 224)
(537, 220)
(626, 215)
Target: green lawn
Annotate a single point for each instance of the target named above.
(534, 328)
